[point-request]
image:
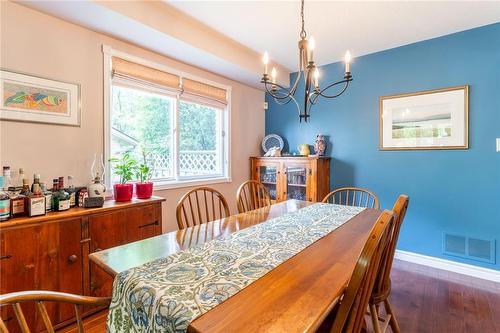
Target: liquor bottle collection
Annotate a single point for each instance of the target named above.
(19, 198)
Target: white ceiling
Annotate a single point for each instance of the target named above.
(361, 26)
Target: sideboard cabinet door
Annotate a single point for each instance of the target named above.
(118, 228)
(42, 257)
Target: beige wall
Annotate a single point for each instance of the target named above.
(39, 44)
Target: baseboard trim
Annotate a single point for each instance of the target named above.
(448, 265)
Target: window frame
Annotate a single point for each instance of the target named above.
(224, 121)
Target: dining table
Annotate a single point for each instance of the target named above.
(295, 296)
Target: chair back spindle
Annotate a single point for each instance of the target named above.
(352, 196)
(201, 205)
(39, 297)
(252, 195)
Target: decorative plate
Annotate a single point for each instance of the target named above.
(272, 140)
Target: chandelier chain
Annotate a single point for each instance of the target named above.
(303, 33)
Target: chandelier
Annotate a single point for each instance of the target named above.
(310, 74)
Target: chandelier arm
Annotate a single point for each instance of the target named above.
(273, 93)
(346, 85)
(289, 92)
(313, 97)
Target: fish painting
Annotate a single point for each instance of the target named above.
(19, 96)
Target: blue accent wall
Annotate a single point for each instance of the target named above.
(454, 191)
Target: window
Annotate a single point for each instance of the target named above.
(181, 134)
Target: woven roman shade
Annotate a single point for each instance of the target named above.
(204, 90)
(130, 69)
(133, 70)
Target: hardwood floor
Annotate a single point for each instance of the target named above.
(426, 300)
(432, 300)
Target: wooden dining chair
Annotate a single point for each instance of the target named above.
(348, 316)
(252, 195)
(39, 297)
(352, 196)
(382, 288)
(201, 205)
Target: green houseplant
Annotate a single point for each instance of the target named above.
(125, 167)
(144, 188)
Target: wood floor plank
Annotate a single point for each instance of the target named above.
(432, 300)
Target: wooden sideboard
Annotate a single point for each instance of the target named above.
(51, 252)
(304, 178)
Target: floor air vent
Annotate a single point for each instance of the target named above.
(470, 248)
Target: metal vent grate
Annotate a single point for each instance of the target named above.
(481, 249)
(470, 248)
(455, 244)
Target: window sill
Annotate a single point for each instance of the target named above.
(167, 185)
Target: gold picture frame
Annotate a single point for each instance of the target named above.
(435, 119)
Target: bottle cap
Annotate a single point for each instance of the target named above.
(21, 170)
(25, 181)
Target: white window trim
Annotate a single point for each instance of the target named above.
(108, 53)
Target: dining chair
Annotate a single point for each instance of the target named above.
(382, 288)
(201, 205)
(252, 195)
(352, 196)
(349, 313)
(39, 297)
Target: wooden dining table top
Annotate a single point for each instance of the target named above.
(296, 296)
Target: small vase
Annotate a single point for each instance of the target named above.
(123, 192)
(144, 190)
(320, 145)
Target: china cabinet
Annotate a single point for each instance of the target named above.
(302, 178)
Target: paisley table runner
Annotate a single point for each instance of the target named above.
(165, 295)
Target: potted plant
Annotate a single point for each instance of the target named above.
(144, 188)
(125, 168)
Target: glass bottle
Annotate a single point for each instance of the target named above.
(26, 187)
(36, 202)
(36, 180)
(72, 192)
(48, 197)
(9, 185)
(4, 202)
(17, 203)
(60, 198)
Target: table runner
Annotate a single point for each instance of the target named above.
(165, 295)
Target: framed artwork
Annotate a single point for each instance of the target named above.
(35, 99)
(434, 119)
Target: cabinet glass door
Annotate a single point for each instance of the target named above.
(269, 177)
(296, 182)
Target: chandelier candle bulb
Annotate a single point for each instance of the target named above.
(265, 59)
(316, 78)
(347, 59)
(273, 75)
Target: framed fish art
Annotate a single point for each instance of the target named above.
(31, 98)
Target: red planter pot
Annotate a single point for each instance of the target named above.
(123, 192)
(144, 190)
